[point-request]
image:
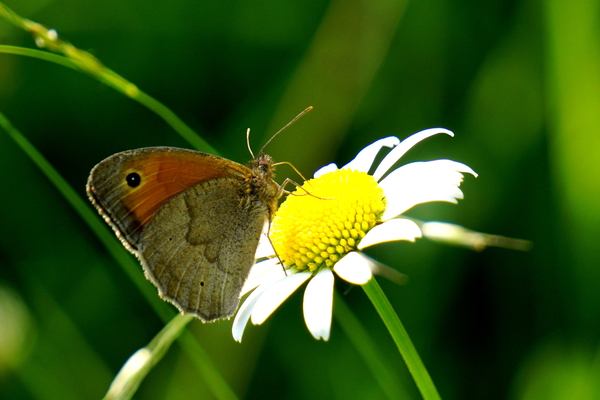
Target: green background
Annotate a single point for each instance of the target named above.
(517, 81)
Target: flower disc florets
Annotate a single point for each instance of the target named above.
(325, 219)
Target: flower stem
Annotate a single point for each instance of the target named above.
(402, 340)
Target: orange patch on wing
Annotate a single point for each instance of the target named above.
(166, 175)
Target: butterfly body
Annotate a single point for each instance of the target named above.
(193, 220)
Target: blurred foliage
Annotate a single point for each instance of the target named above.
(517, 81)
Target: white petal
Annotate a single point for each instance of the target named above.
(354, 268)
(394, 229)
(245, 311)
(326, 169)
(364, 159)
(276, 294)
(318, 303)
(394, 155)
(460, 236)
(263, 272)
(422, 182)
(453, 234)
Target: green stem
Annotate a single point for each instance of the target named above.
(85, 62)
(402, 340)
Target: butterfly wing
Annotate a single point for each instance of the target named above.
(199, 247)
(188, 217)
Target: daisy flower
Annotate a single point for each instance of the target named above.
(319, 231)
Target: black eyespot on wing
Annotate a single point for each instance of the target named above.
(133, 179)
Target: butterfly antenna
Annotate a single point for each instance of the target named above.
(248, 142)
(288, 124)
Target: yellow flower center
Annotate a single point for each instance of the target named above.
(326, 218)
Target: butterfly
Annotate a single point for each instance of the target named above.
(192, 219)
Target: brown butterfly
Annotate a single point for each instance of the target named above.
(191, 218)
